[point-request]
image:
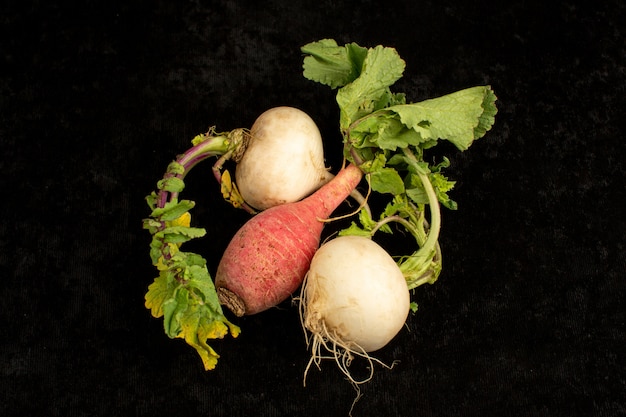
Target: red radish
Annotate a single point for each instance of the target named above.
(269, 256)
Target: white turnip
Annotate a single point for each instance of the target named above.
(354, 299)
(279, 160)
(283, 161)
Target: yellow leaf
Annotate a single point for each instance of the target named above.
(212, 330)
(183, 220)
(234, 330)
(235, 197)
(226, 185)
(230, 191)
(195, 336)
(158, 292)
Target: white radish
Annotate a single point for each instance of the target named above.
(354, 299)
(284, 160)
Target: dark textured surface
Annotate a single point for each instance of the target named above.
(528, 318)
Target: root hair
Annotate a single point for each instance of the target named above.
(339, 350)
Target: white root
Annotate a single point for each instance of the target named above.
(284, 160)
(353, 301)
(341, 351)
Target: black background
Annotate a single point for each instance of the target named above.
(97, 97)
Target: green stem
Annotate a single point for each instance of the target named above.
(425, 264)
(216, 145)
(398, 219)
(229, 145)
(435, 214)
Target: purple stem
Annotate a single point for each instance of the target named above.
(213, 146)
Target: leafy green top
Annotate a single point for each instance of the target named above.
(386, 137)
(183, 293)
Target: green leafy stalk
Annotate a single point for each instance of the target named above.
(183, 293)
(424, 266)
(387, 137)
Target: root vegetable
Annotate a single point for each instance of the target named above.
(284, 160)
(267, 259)
(354, 299)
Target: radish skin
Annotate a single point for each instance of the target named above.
(354, 301)
(356, 290)
(268, 257)
(283, 161)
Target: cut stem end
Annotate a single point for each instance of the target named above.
(232, 301)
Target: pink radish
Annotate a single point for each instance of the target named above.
(267, 259)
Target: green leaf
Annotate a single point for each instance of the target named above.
(156, 249)
(161, 290)
(383, 130)
(388, 99)
(386, 180)
(460, 117)
(381, 68)
(375, 163)
(201, 281)
(171, 184)
(395, 206)
(173, 309)
(151, 199)
(191, 259)
(175, 168)
(487, 119)
(417, 195)
(416, 192)
(442, 185)
(366, 220)
(179, 234)
(151, 225)
(445, 163)
(397, 136)
(332, 65)
(354, 230)
(172, 210)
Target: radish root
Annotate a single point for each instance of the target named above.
(343, 352)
